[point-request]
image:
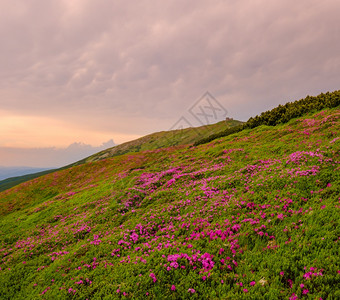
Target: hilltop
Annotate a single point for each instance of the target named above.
(252, 214)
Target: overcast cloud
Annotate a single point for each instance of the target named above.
(88, 71)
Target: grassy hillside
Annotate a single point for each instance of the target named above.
(150, 142)
(281, 114)
(253, 215)
(13, 181)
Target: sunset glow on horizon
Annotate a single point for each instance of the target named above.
(91, 71)
(37, 131)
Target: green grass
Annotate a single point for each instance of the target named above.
(252, 215)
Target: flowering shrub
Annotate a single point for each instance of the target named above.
(253, 216)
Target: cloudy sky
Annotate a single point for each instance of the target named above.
(89, 71)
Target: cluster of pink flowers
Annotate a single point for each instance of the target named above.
(294, 297)
(299, 157)
(71, 290)
(45, 290)
(54, 255)
(153, 276)
(207, 261)
(96, 240)
(312, 273)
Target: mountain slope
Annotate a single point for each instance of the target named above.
(152, 141)
(281, 114)
(253, 215)
(13, 181)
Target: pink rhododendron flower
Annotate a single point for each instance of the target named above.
(153, 276)
(293, 297)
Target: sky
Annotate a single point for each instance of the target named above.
(47, 157)
(86, 72)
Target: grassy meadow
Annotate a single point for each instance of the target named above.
(252, 215)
